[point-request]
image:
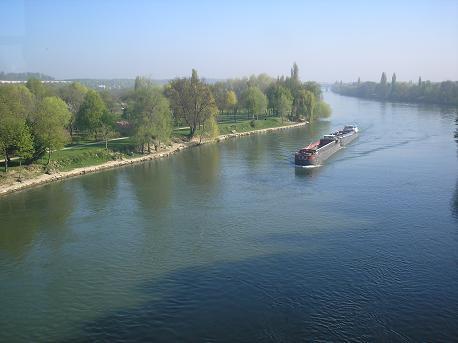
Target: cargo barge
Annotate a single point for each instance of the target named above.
(319, 151)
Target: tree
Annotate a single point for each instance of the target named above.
(73, 95)
(15, 107)
(306, 103)
(231, 103)
(110, 101)
(383, 79)
(37, 88)
(280, 100)
(14, 136)
(209, 129)
(141, 82)
(255, 101)
(323, 110)
(107, 126)
(393, 84)
(91, 112)
(151, 117)
(219, 93)
(50, 122)
(313, 87)
(284, 105)
(191, 101)
(295, 73)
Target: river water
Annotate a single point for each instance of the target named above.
(230, 242)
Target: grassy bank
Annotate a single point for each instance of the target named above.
(87, 153)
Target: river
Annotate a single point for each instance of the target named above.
(230, 242)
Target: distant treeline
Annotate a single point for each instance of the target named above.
(38, 118)
(107, 83)
(24, 76)
(445, 92)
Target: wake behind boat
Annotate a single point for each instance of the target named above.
(316, 153)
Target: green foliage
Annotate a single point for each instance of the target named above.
(142, 82)
(73, 95)
(249, 125)
(445, 92)
(280, 99)
(219, 92)
(191, 101)
(255, 101)
(37, 88)
(15, 138)
(64, 160)
(314, 88)
(107, 126)
(323, 110)
(151, 117)
(286, 97)
(262, 81)
(49, 123)
(209, 129)
(284, 105)
(305, 104)
(90, 112)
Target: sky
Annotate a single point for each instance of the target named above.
(329, 40)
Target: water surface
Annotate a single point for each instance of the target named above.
(230, 242)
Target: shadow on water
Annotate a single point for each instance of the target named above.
(279, 298)
(306, 172)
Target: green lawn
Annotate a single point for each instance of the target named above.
(245, 125)
(80, 155)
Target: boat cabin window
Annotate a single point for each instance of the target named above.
(330, 137)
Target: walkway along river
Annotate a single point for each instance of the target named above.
(230, 242)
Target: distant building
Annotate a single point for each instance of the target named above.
(43, 81)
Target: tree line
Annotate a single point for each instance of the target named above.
(285, 97)
(24, 76)
(445, 92)
(37, 119)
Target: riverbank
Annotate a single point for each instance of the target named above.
(174, 148)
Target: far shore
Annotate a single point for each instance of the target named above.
(174, 148)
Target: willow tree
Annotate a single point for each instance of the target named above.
(231, 103)
(255, 101)
(151, 117)
(306, 104)
(209, 129)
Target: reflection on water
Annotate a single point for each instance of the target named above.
(155, 179)
(231, 242)
(100, 189)
(199, 166)
(25, 218)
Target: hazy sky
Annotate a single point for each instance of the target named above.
(330, 40)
